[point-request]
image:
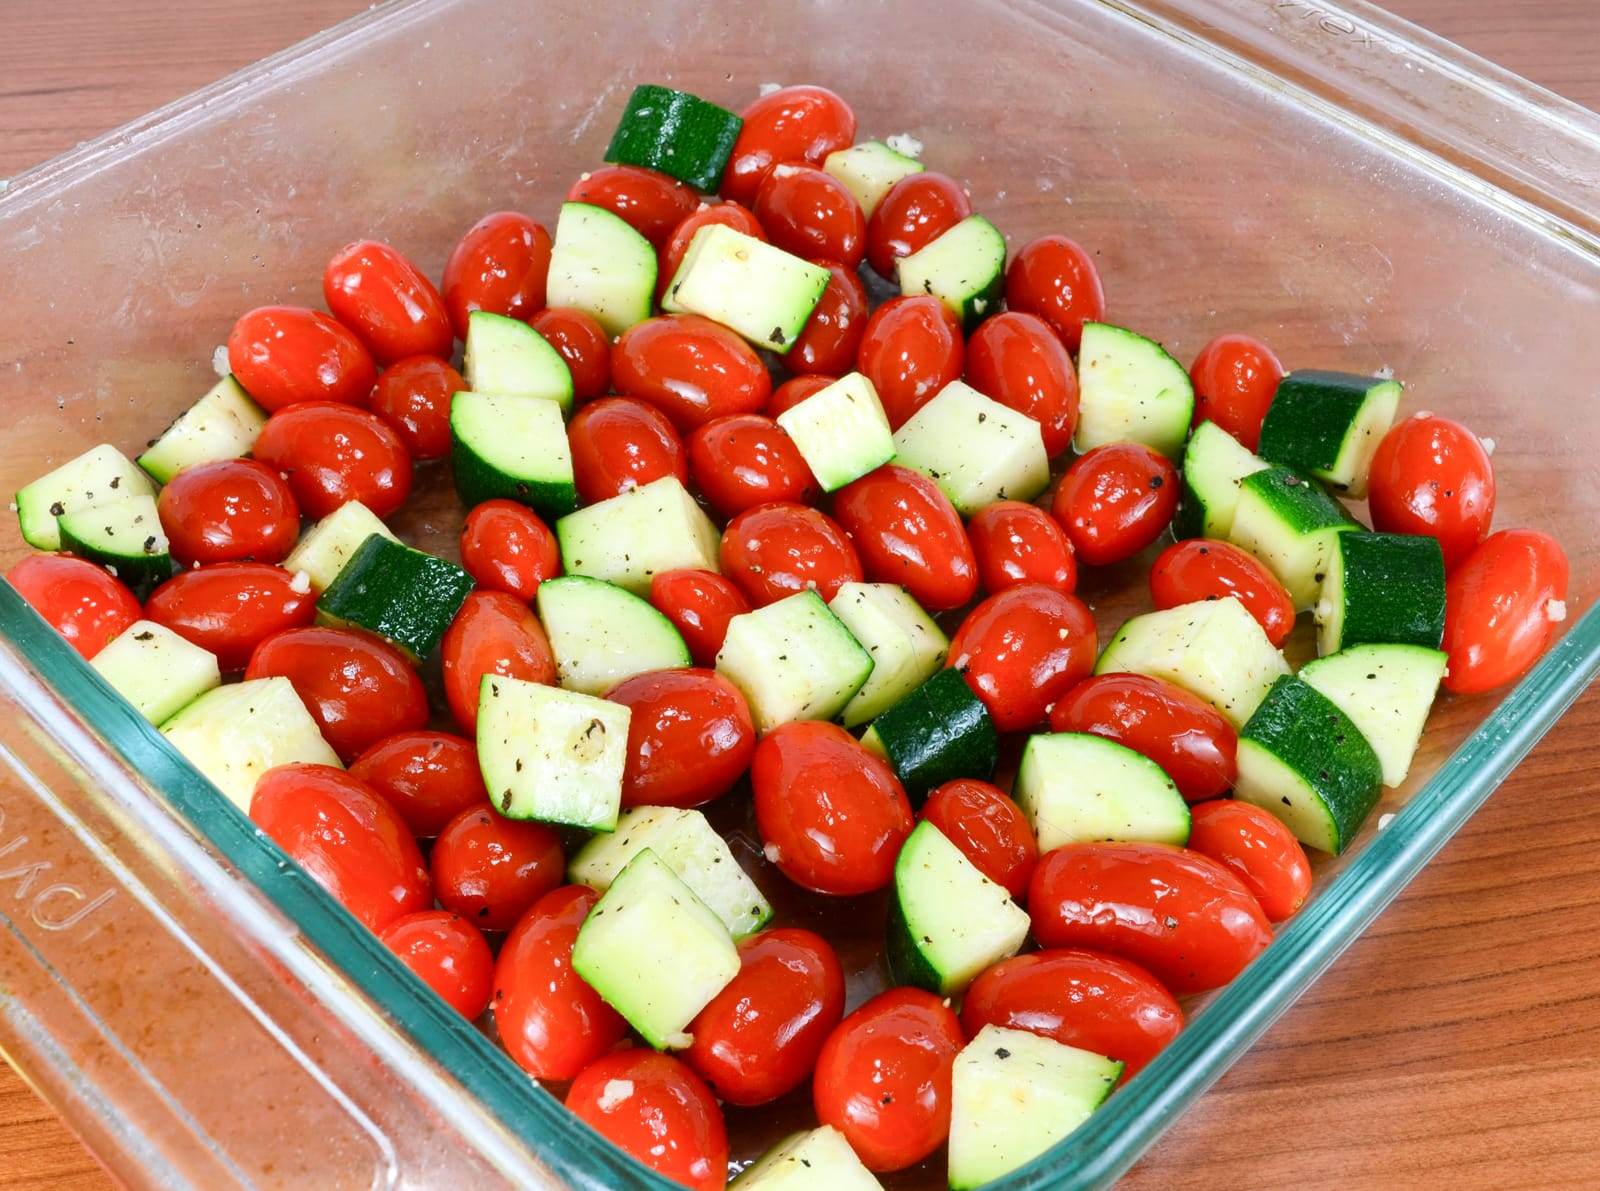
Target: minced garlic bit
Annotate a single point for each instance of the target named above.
(904, 143)
(768, 88)
(614, 1093)
(771, 852)
(219, 360)
(1488, 444)
(301, 583)
(1555, 611)
(1384, 821)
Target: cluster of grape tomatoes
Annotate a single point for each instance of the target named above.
(405, 837)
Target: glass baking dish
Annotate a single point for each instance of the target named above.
(1360, 194)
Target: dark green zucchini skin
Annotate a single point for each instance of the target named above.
(907, 964)
(1311, 416)
(675, 132)
(1309, 735)
(1394, 591)
(939, 732)
(399, 593)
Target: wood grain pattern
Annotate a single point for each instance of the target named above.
(1457, 1043)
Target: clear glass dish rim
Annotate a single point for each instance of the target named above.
(1114, 1138)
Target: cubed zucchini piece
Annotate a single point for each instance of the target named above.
(906, 645)
(655, 951)
(325, 548)
(676, 133)
(511, 448)
(156, 670)
(601, 634)
(234, 734)
(631, 538)
(841, 431)
(98, 476)
(551, 755)
(977, 450)
(1078, 788)
(793, 660)
(508, 358)
(1211, 648)
(747, 285)
(399, 593)
(223, 424)
(690, 847)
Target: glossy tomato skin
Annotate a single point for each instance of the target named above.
(1431, 476)
(357, 687)
(428, 777)
(1257, 848)
(989, 829)
(493, 633)
(883, 1078)
(500, 266)
(389, 302)
(760, 1036)
(690, 737)
(1022, 649)
(284, 355)
(1235, 378)
(346, 838)
(84, 603)
(907, 532)
(656, 1109)
(582, 343)
(648, 201)
(725, 214)
(810, 213)
(1017, 359)
(1079, 998)
(915, 212)
(551, 1022)
(832, 814)
(506, 547)
(413, 396)
(911, 349)
(828, 343)
(775, 550)
(1202, 569)
(746, 460)
(1114, 501)
(231, 607)
(1191, 741)
(795, 390)
(331, 454)
(791, 124)
(448, 954)
(1018, 543)
(619, 444)
(77, 599)
(1503, 605)
(699, 604)
(232, 510)
(1181, 915)
(1054, 278)
(490, 869)
(690, 368)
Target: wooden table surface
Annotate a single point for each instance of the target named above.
(1457, 1043)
